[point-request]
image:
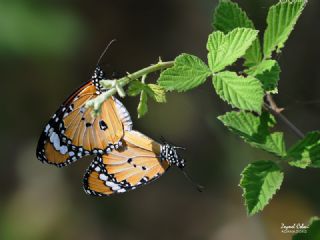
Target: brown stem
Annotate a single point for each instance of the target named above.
(272, 106)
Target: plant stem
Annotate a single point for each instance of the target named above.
(98, 101)
(277, 111)
(145, 71)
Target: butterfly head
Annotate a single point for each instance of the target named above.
(98, 74)
(169, 153)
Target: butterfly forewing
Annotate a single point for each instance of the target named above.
(135, 164)
(74, 132)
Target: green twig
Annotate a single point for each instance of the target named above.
(120, 83)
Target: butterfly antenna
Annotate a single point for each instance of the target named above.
(198, 186)
(105, 50)
(177, 147)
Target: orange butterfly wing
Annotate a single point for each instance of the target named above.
(135, 164)
(73, 132)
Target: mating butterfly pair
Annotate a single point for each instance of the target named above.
(124, 158)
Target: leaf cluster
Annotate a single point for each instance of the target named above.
(235, 38)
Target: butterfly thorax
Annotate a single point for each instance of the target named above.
(169, 153)
(97, 76)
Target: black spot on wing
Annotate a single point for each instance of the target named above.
(103, 125)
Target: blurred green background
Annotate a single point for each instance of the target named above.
(48, 48)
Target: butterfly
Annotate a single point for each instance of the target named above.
(139, 161)
(73, 132)
(124, 158)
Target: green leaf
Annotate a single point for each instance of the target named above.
(243, 93)
(157, 93)
(306, 152)
(281, 19)
(268, 72)
(274, 143)
(255, 130)
(143, 105)
(253, 55)
(188, 72)
(260, 181)
(226, 49)
(154, 91)
(312, 233)
(135, 88)
(228, 16)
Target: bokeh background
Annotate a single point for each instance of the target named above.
(48, 48)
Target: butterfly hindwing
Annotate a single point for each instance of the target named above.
(135, 164)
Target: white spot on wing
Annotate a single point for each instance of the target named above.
(112, 185)
(103, 177)
(47, 128)
(54, 138)
(63, 149)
